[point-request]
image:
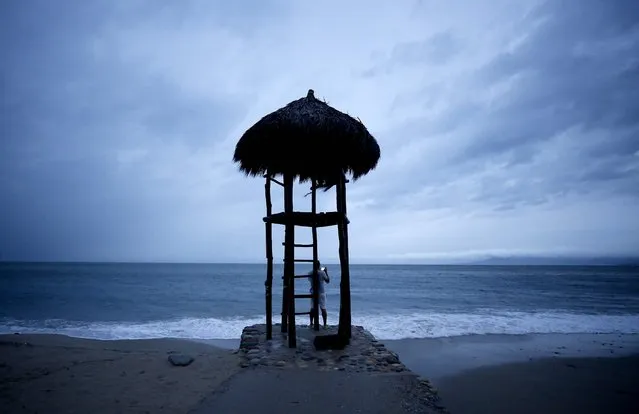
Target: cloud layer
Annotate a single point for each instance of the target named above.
(505, 128)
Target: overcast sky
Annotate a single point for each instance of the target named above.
(505, 127)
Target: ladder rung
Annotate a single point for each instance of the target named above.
(300, 276)
(303, 260)
(304, 296)
(307, 219)
(299, 245)
(302, 313)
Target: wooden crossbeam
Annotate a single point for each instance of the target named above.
(274, 180)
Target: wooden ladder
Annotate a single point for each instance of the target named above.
(289, 297)
(314, 309)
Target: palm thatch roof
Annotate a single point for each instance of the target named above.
(310, 140)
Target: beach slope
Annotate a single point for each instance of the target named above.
(59, 374)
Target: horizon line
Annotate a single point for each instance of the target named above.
(632, 261)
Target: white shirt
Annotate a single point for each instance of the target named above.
(323, 278)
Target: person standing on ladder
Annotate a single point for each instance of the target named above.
(322, 275)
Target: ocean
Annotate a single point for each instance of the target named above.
(215, 301)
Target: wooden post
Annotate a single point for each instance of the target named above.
(284, 322)
(285, 300)
(345, 287)
(289, 257)
(268, 284)
(315, 278)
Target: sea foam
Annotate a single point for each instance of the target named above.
(383, 326)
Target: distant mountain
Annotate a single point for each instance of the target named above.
(558, 261)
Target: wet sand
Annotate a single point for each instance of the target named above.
(546, 373)
(550, 385)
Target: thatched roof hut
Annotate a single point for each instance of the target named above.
(310, 140)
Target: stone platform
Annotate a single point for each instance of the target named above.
(363, 354)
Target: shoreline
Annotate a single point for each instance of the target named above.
(444, 356)
(488, 349)
(495, 349)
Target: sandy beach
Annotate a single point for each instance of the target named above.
(59, 374)
(544, 373)
(473, 374)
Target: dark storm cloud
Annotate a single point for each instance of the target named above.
(438, 49)
(64, 117)
(576, 74)
(53, 210)
(578, 70)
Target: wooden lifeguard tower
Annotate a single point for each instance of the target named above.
(310, 141)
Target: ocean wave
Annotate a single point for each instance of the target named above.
(383, 326)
